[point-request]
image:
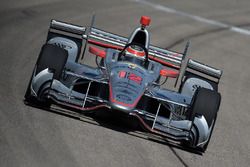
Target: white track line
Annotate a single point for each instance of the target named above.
(194, 17)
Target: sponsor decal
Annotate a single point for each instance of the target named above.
(195, 87)
(135, 78)
(130, 76)
(122, 74)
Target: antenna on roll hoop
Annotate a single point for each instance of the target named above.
(86, 35)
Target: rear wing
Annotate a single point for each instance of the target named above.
(154, 52)
(113, 39)
(106, 39)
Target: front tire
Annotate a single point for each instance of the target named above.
(52, 57)
(206, 103)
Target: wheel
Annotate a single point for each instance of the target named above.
(192, 82)
(206, 102)
(52, 57)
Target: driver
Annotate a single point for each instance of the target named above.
(135, 50)
(136, 54)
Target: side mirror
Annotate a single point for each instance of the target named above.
(97, 51)
(169, 73)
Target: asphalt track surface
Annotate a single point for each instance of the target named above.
(31, 137)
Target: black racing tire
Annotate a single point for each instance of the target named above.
(206, 102)
(27, 97)
(52, 57)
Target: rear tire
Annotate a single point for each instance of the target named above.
(206, 102)
(52, 57)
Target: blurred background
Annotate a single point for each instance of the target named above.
(219, 32)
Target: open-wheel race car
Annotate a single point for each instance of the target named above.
(129, 77)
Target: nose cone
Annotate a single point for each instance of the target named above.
(123, 96)
(126, 86)
(120, 107)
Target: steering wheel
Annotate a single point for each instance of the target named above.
(122, 53)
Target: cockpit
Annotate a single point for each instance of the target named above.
(136, 49)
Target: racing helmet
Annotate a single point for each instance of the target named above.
(136, 50)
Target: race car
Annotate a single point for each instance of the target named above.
(130, 77)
